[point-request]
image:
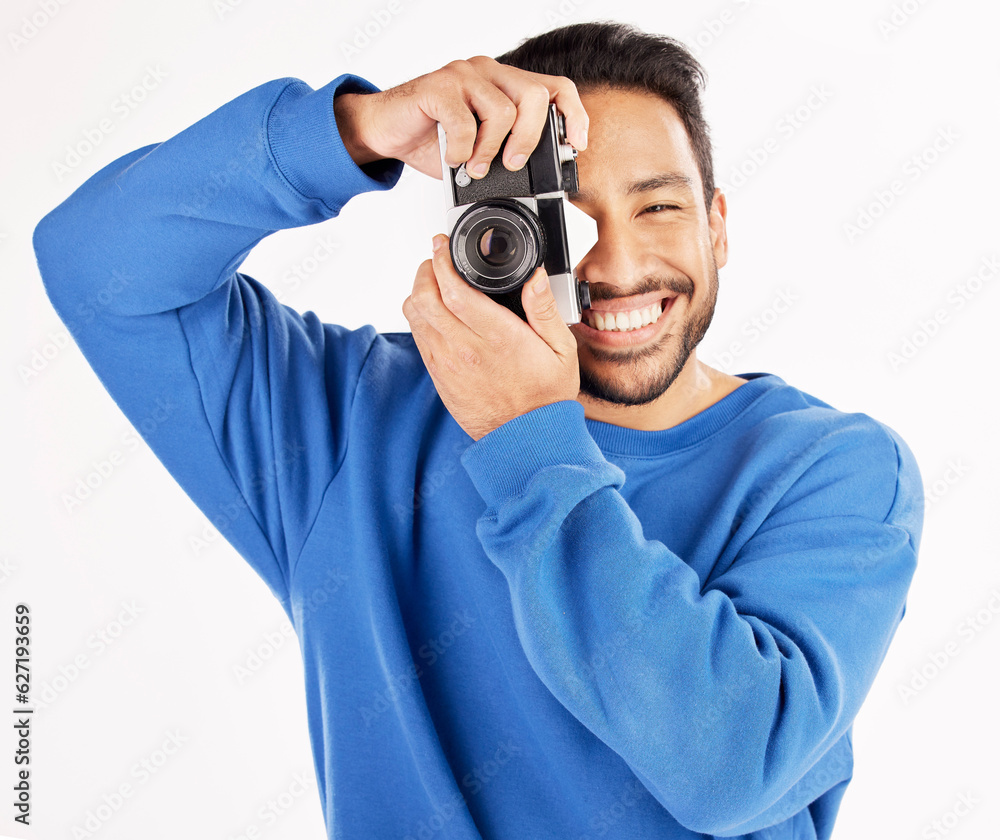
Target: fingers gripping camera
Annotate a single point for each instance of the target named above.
(506, 224)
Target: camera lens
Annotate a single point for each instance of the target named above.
(496, 245)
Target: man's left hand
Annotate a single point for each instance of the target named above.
(487, 364)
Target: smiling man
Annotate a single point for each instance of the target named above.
(656, 233)
(548, 581)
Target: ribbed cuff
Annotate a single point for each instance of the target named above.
(502, 463)
(306, 145)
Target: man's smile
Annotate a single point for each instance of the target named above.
(625, 322)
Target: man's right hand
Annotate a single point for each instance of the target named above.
(401, 122)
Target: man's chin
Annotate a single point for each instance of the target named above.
(629, 381)
(639, 374)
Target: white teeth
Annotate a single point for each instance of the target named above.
(626, 321)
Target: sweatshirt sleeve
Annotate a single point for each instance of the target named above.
(730, 701)
(245, 401)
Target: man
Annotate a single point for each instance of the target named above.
(548, 581)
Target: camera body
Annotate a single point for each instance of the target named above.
(506, 224)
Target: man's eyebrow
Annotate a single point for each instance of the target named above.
(662, 180)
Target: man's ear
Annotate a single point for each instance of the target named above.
(717, 226)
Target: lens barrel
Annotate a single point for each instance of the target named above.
(497, 245)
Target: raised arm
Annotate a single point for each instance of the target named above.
(245, 401)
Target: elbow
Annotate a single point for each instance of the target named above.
(717, 810)
(730, 798)
(45, 240)
(711, 823)
(64, 252)
(717, 796)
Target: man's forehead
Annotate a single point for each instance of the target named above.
(638, 144)
(624, 113)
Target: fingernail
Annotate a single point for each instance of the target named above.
(437, 243)
(517, 161)
(541, 283)
(583, 139)
(480, 169)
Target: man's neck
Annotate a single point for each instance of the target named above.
(696, 387)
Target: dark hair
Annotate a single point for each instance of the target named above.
(609, 54)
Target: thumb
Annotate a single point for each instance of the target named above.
(543, 314)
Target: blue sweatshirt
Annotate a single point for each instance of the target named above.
(567, 629)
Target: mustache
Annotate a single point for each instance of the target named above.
(675, 285)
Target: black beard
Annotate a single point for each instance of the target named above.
(615, 390)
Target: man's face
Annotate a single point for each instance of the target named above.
(657, 247)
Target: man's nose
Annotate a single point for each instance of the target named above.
(615, 259)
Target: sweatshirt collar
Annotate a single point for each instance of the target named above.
(620, 440)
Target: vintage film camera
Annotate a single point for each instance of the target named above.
(502, 227)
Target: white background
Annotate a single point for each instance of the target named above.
(857, 299)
